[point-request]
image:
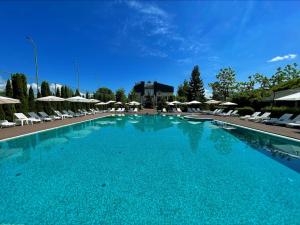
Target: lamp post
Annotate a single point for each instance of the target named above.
(36, 63)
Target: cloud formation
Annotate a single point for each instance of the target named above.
(284, 57)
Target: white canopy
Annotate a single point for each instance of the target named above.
(119, 103)
(228, 103)
(170, 103)
(134, 103)
(109, 102)
(194, 103)
(91, 100)
(176, 102)
(6, 100)
(292, 97)
(77, 99)
(213, 102)
(101, 103)
(50, 99)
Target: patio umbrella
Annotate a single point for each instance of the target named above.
(101, 103)
(228, 104)
(134, 103)
(6, 100)
(213, 102)
(176, 102)
(170, 103)
(194, 103)
(109, 102)
(50, 99)
(77, 99)
(292, 97)
(91, 100)
(118, 103)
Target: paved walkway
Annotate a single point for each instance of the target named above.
(21, 130)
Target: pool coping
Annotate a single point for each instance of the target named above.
(53, 128)
(260, 131)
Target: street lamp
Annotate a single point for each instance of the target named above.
(35, 61)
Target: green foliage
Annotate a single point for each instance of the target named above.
(104, 94)
(45, 89)
(226, 84)
(183, 91)
(120, 95)
(277, 111)
(196, 88)
(8, 89)
(31, 102)
(57, 92)
(132, 96)
(2, 114)
(19, 86)
(247, 110)
(77, 93)
(294, 83)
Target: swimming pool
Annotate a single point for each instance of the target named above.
(149, 170)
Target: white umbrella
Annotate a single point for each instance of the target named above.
(292, 97)
(101, 103)
(91, 100)
(213, 102)
(109, 102)
(77, 99)
(194, 103)
(134, 103)
(176, 102)
(6, 100)
(50, 99)
(119, 103)
(170, 103)
(228, 104)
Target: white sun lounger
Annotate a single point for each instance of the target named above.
(254, 115)
(179, 110)
(22, 119)
(284, 123)
(264, 116)
(5, 123)
(276, 121)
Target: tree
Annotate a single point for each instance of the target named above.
(183, 91)
(8, 89)
(19, 86)
(31, 102)
(87, 95)
(57, 92)
(120, 95)
(104, 94)
(77, 93)
(196, 87)
(133, 96)
(226, 83)
(45, 89)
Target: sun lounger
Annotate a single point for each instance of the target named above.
(235, 113)
(5, 123)
(179, 110)
(112, 110)
(288, 121)
(254, 115)
(36, 116)
(44, 116)
(22, 119)
(263, 117)
(227, 113)
(277, 121)
(62, 116)
(295, 124)
(135, 110)
(164, 110)
(73, 113)
(189, 110)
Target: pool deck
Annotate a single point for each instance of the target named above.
(11, 132)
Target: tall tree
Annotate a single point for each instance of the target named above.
(133, 96)
(57, 92)
(183, 91)
(31, 102)
(104, 94)
(77, 93)
(120, 95)
(8, 89)
(196, 87)
(19, 86)
(226, 82)
(45, 89)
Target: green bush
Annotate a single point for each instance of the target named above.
(277, 111)
(247, 110)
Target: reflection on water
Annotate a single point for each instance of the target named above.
(283, 150)
(222, 143)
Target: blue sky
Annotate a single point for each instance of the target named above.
(118, 43)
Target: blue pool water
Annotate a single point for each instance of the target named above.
(149, 170)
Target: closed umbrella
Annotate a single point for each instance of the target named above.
(7, 100)
(50, 99)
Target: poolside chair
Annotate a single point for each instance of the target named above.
(174, 110)
(112, 110)
(164, 110)
(254, 115)
(179, 110)
(212, 112)
(62, 116)
(135, 110)
(227, 113)
(119, 110)
(218, 112)
(263, 117)
(73, 113)
(235, 113)
(45, 117)
(22, 119)
(5, 123)
(295, 124)
(277, 121)
(289, 121)
(84, 111)
(36, 116)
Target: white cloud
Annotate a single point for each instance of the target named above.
(207, 93)
(53, 86)
(284, 57)
(147, 8)
(2, 84)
